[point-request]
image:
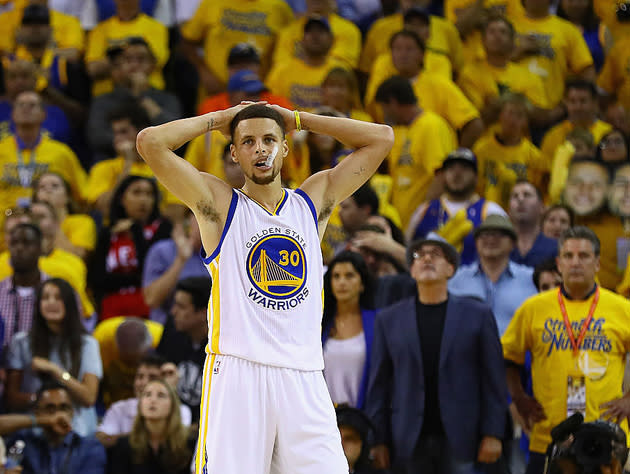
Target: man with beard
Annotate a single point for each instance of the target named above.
(459, 201)
(265, 404)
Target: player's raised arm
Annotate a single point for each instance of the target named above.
(371, 142)
(156, 145)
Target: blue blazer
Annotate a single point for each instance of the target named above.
(367, 316)
(472, 386)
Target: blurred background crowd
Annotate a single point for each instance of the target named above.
(511, 122)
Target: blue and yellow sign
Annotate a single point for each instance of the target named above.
(276, 266)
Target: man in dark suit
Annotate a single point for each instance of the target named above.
(437, 393)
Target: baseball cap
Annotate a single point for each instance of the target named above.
(496, 222)
(246, 81)
(317, 20)
(416, 12)
(461, 155)
(36, 15)
(243, 53)
(450, 252)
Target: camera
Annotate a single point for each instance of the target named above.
(586, 446)
(623, 11)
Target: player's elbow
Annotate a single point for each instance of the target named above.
(386, 137)
(146, 141)
(388, 133)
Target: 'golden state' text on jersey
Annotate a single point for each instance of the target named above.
(267, 273)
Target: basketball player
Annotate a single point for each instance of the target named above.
(265, 406)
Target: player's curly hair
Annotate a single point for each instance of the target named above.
(257, 111)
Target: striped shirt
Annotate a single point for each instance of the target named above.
(17, 307)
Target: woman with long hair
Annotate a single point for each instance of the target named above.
(158, 442)
(340, 91)
(556, 220)
(58, 348)
(78, 231)
(135, 223)
(347, 328)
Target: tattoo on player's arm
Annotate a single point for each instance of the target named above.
(360, 171)
(210, 124)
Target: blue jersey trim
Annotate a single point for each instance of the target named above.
(309, 202)
(285, 198)
(228, 221)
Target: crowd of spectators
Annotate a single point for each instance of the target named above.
(512, 140)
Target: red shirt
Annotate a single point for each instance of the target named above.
(222, 101)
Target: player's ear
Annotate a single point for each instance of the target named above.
(233, 153)
(285, 148)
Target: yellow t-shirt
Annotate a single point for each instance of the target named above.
(444, 39)
(358, 114)
(205, 153)
(565, 52)
(105, 334)
(104, 175)
(481, 81)
(383, 68)
(606, 11)
(19, 170)
(494, 159)
(443, 97)
(221, 24)
(117, 383)
(614, 77)
(299, 82)
(538, 326)
(80, 230)
(557, 135)
(418, 151)
(66, 30)
(46, 63)
(472, 45)
(59, 264)
(383, 184)
(111, 31)
(346, 46)
(435, 93)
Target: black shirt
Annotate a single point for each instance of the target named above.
(177, 347)
(121, 460)
(430, 327)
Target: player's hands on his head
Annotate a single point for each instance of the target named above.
(223, 124)
(287, 115)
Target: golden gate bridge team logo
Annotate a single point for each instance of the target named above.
(276, 266)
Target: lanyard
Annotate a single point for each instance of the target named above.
(26, 171)
(576, 342)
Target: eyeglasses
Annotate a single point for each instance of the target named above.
(433, 253)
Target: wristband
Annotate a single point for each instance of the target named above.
(298, 123)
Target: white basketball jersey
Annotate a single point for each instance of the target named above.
(267, 277)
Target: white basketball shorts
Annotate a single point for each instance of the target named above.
(259, 419)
